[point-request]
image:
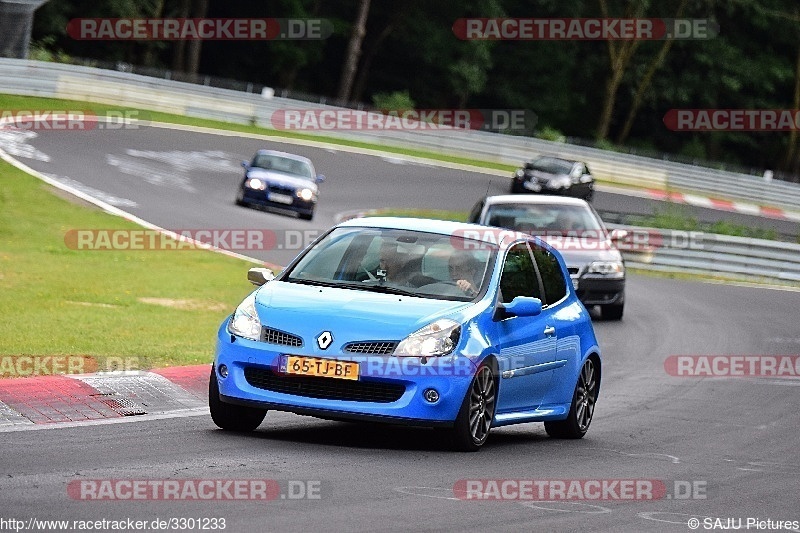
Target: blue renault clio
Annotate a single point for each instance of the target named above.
(408, 321)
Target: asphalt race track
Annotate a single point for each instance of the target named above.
(734, 439)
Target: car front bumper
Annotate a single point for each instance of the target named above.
(245, 359)
(600, 291)
(261, 198)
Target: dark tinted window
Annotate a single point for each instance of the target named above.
(519, 276)
(555, 286)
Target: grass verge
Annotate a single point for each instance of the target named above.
(59, 301)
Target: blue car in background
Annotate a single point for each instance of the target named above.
(280, 180)
(427, 323)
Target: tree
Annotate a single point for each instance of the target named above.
(353, 51)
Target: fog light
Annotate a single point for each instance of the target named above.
(431, 395)
(223, 371)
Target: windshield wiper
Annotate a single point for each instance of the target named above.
(358, 286)
(312, 282)
(376, 288)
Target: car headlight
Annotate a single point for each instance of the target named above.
(611, 269)
(257, 184)
(437, 338)
(245, 322)
(519, 173)
(557, 183)
(305, 194)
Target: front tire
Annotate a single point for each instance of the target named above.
(240, 198)
(475, 417)
(581, 410)
(228, 416)
(304, 216)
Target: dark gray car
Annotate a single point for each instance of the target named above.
(551, 175)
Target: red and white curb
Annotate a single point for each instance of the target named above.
(47, 401)
(723, 205)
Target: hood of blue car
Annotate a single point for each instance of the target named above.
(350, 315)
(283, 180)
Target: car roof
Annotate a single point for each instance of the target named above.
(570, 161)
(284, 154)
(534, 200)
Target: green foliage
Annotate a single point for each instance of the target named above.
(396, 101)
(43, 51)
(551, 134)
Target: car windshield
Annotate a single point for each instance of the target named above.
(551, 166)
(286, 165)
(394, 261)
(544, 219)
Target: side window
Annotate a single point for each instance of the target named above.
(475, 214)
(555, 286)
(519, 275)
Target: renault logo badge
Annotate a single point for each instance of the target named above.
(324, 339)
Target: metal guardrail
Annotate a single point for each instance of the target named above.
(56, 80)
(707, 253)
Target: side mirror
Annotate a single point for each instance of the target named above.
(520, 306)
(245, 164)
(320, 178)
(618, 235)
(260, 276)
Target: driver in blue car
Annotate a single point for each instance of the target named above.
(463, 271)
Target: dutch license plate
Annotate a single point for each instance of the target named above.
(328, 368)
(280, 198)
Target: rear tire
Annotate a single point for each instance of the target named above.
(228, 416)
(475, 417)
(581, 410)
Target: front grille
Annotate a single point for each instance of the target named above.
(274, 336)
(280, 189)
(325, 388)
(376, 347)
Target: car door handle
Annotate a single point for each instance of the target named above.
(549, 330)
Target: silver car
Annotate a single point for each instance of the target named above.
(573, 227)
